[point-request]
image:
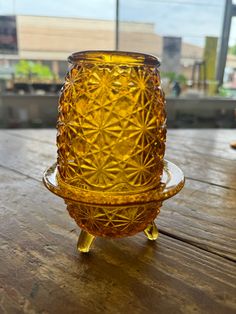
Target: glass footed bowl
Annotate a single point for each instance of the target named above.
(114, 214)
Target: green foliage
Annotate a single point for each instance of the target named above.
(182, 79)
(224, 92)
(232, 50)
(172, 76)
(29, 69)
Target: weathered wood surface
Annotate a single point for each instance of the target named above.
(203, 213)
(189, 269)
(205, 157)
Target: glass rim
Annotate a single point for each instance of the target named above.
(114, 57)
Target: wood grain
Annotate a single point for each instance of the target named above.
(190, 269)
(42, 273)
(217, 135)
(202, 214)
(203, 155)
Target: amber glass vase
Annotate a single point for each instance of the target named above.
(111, 135)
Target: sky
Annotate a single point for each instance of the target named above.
(190, 19)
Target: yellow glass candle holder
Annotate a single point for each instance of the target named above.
(111, 143)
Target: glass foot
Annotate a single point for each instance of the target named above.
(151, 231)
(85, 241)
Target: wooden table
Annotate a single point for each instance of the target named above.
(189, 269)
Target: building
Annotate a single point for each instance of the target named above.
(51, 39)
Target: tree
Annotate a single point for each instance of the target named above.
(172, 76)
(27, 69)
(232, 50)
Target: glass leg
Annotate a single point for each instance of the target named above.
(85, 241)
(151, 231)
